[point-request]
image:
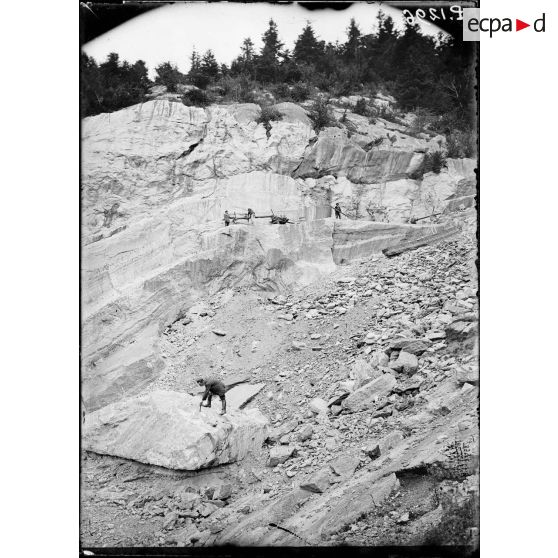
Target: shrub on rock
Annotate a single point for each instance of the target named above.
(196, 98)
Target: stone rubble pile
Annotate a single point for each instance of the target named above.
(399, 395)
(404, 351)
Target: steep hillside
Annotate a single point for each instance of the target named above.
(353, 378)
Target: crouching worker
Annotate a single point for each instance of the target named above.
(213, 387)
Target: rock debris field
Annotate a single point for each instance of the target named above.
(354, 416)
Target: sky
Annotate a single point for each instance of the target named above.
(169, 33)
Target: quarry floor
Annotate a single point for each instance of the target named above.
(273, 340)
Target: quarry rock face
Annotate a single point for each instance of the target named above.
(159, 152)
(167, 429)
(335, 154)
(154, 153)
(156, 180)
(357, 239)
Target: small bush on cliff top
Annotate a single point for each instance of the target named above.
(268, 115)
(282, 92)
(460, 144)
(196, 98)
(361, 107)
(437, 161)
(432, 162)
(301, 92)
(321, 115)
(239, 89)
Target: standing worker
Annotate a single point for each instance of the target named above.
(337, 211)
(213, 386)
(251, 214)
(227, 218)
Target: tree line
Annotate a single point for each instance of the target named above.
(422, 72)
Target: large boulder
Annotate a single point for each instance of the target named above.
(345, 465)
(291, 112)
(376, 448)
(317, 482)
(318, 406)
(406, 362)
(167, 429)
(363, 373)
(366, 397)
(412, 346)
(279, 454)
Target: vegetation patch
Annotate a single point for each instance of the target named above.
(361, 107)
(196, 98)
(432, 162)
(268, 115)
(320, 114)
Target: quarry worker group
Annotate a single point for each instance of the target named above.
(227, 217)
(250, 215)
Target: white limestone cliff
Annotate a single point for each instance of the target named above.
(156, 179)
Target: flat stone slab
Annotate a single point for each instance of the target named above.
(241, 395)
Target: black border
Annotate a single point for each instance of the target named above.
(96, 18)
(306, 552)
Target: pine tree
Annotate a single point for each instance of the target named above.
(195, 61)
(272, 44)
(196, 75)
(91, 90)
(247, 50)
(386, 28)
(379, 49)
(209, 65)
(112, 85)
(139, 75)
(268, 62)
(110, 70)
(353, 43)
(169, 76)
(243, 64)
(416, 65)
(307, 48)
